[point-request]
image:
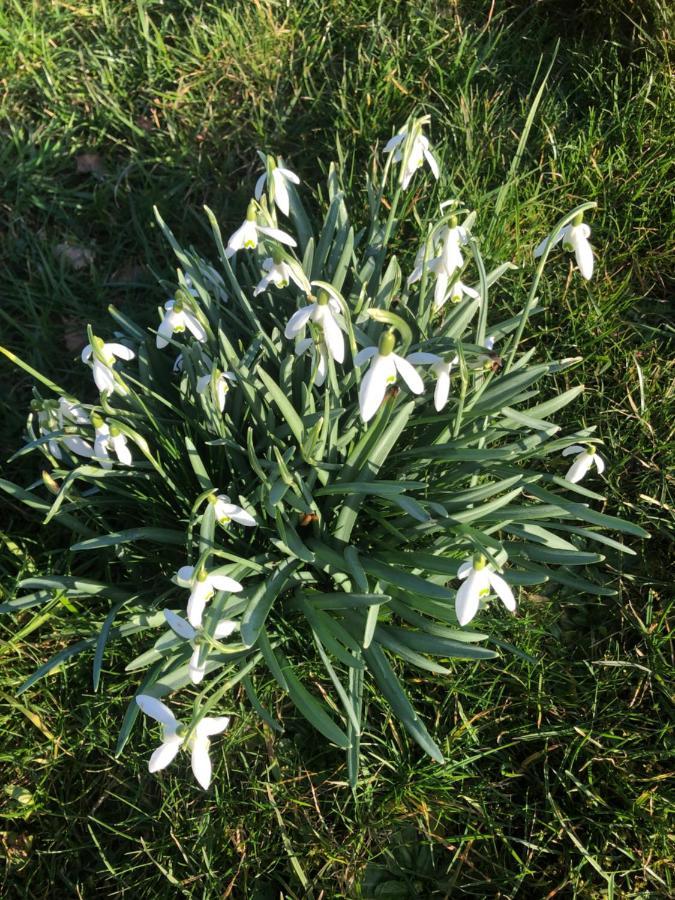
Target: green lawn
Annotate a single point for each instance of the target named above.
(556, 781)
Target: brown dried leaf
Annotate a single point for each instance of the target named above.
(90, 164)
(77, 257)
(74, 334)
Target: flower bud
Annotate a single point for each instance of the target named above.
(387, 343)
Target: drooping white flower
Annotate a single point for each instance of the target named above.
(174, 735)
(279, 187)
(227, 512)
(446, 264)
(480, 580)
(319, 359)
(109, 439)
(101, 357)
(183, 629)
(175, 320)
(50, 418)
(418, 153)
(247, 235)
(221, 385)
(441, 369)
(203, 586)
(70, 410)
(280, 273)
(322, 313)
(383, 370)
(575, 239)
(459, 290)
(585, 459)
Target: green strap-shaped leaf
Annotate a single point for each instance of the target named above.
(261, 602)
(394, 693)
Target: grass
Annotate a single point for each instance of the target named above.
(556, 781)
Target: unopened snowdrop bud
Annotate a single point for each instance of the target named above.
(585, 459)
(575, 240)
(50, 483)
(479, 579)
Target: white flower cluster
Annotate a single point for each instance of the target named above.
(325, 313)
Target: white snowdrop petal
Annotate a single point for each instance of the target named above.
(539, 249)
(409, 374)
(364, 355)
(157, 710)
(242, 517)
(120, 350)
(87, 351)
(503, 591)
(442, 390)
(259, 186)
(78, 445)
(164, 755)
(196, 670)
(212, 725)
(288, 175)
(185, 573)
(465, 568)
(599, 463)
(202, 383)
(225, 583)
(179, 625)
(573, 448)
(201, 762)
(299, 320)
(333, 337)
(278, 235)
(225, 628)
(374, 385)
(103, 378)
(281, 197)
(466, 600)
(433, 165)
(579, 468)
(195, 326)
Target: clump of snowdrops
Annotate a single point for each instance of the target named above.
(321, 444)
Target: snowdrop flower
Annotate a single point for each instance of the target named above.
(279, 273)
(109, 439)
(384, 366)
(418, 153)
(203, 586)
(586, 458)
(322, 314)
(175, 734)
(479, 578)
(183, 629)
(318, 350)
(72, 411)
(445, 265)
(221, 384)
(441, 369)
(175, 320)
(227, 512)
(459, 290)
(103, 364)
(50, 419)
(575, 239)
(246, 236)
(279, 186)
